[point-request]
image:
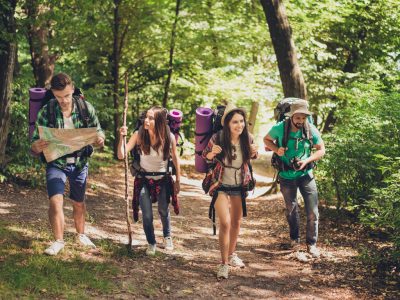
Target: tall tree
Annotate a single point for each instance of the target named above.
(281, 35)
(171, 54)
(38, 33)
(8, 49)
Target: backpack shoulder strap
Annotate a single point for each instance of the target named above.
(218, 138)
(286, 132)
(307, 134)
(51, 113)
(83, 111)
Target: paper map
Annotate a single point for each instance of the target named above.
(65, 141)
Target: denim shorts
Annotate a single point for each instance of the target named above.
(228, 192)
(56, 178)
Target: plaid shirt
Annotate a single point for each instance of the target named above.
(154, 187)
(42, 120)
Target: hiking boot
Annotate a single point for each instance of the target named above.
(235, 261)
(151, 250)
(313, 250)
(223, 271)
(84, 240)
(168, 245)
(55, 247)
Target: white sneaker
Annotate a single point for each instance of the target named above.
(313, 250)
(151, 250)
(55, 247)
(223, 271)
(84, 240)
(168, 245)
(235, 261)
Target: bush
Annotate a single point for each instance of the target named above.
(382, 211)
(361, 168)
(367, 127)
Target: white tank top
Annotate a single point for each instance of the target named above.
(154, 161)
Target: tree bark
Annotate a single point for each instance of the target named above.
(329, 121)
(115, 71)
(8, 49)
(42, 61)
(281, 35)
(253, 116)
(171, 54)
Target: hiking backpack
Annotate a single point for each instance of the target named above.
(39, 97)
(212, 119)
(78, 100)
(216, 128)
(280, 111)
(172, 127)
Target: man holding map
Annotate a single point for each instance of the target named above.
(64, 131)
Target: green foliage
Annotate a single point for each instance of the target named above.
(360, 170)
(342, 43)
(367, 127)
(383, 209)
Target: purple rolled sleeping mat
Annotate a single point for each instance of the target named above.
(203, 134)
(36, 96)
(175, 117)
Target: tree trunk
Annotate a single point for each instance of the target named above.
(349, 67)
(329, 121)
(43, 62)
(8, 50)
(281, 35)
(115, 72)
(171, 54)
(253, 116)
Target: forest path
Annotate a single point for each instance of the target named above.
(189, 271)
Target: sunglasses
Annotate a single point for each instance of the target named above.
(234, 156)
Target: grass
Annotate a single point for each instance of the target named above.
(26, 273)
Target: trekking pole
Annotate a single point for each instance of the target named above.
(128, 219)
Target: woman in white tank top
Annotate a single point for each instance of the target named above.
(155, 144)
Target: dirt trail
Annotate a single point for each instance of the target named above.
(189, 272)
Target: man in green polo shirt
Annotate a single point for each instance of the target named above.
(295, 171)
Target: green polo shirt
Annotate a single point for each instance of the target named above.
(303, 150)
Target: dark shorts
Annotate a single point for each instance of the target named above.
(229, 192)
(56, 178)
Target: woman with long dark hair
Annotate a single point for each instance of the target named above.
(230, 151)
(154, 144)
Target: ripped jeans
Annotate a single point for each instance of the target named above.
(308, 189)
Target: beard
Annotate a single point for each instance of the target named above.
(298, 125)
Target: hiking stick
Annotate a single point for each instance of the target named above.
(128, 219)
